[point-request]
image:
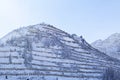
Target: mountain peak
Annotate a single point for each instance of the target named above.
(32, 29)
(38, 30)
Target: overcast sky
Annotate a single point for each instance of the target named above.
(94, 19)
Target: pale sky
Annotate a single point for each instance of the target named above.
(94, 19)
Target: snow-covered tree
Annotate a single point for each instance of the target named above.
(65, 52)
(10, 59)
(111, 74)
(27, 53)
(50, 41)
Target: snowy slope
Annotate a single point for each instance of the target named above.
(111, 45)
(43, 52)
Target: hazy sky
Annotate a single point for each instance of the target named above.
(94, 19)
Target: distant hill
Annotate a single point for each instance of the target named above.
(110, 46)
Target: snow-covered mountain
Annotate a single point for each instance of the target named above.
(43, 52)
(111, 45)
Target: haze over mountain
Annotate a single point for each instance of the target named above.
(43, 52)
(110, 46)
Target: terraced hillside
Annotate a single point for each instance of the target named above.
(43, 52)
